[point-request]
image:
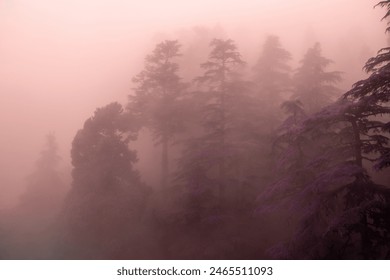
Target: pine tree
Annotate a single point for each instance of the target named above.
(45, 188)
(271, 75)
(158, 99)
(222, 86)
(30, 224)
(313, 85)
(218, 165)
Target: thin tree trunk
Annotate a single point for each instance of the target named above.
(357, 144)
(164, 163)
(222, 164)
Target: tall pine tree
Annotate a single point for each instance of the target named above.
(314, 86)
(157, 99)
(271, 75)
(220, 89)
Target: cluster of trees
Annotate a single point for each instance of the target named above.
(340, 211)
(266, 163)
(237, 175)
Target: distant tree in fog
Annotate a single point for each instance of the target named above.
(157, 99)
(313, 85)
(271, 85)
(271, 77)
(220, 90)
(29, 225)
(196, 48)
(45, 188)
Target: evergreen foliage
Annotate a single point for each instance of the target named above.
(158, 99)
(313, 85)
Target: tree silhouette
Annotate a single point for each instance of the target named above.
(157, 99)
(222, 86)
(313, 85)
(45, 188)
(271, 75)
(29, 226)
(105, 205)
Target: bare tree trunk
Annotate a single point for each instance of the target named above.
(222, 164)
(164, 162)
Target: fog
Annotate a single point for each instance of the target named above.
(60, 60)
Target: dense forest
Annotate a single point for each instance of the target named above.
(257, 160)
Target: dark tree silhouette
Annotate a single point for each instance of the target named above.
(101, 158)
(105, 206)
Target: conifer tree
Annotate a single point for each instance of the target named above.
(45, 188)
(271, 75)
(221, 90)
(314, 86)
(157, 101)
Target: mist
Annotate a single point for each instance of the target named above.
(61, 60)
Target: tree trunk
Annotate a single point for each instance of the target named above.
(357, 144)
(222, 164)
(164, 162)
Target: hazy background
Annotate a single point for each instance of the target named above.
(60, 59)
